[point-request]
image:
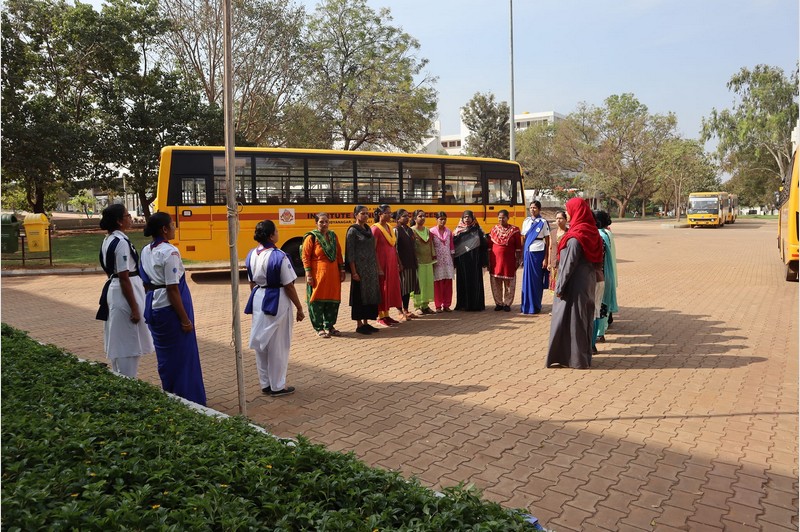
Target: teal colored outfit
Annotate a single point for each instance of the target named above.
(609, 304)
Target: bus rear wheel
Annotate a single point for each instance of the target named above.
(792, 271)
(292, 249)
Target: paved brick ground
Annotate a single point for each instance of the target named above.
(688, 420)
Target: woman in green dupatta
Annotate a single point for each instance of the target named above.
(426, 257)
(322, 260)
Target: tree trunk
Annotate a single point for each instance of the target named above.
(145, 203)
(37, 205)
(621, 206)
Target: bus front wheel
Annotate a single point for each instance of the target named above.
(292, 249)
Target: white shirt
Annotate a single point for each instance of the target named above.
(538, 244)
(258, 265)
(123, 260)
(163, 265)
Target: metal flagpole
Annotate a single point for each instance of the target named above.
(511, 123)
(233, 212)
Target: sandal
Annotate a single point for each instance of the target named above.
(334, 332)
(323, 334)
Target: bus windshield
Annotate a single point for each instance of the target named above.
(703, 206)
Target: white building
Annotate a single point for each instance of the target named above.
(456, 144)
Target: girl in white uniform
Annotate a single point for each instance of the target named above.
(272, 278)
(169, 312)
(125, 333)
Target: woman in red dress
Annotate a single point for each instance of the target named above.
(388, 270)
(505, 256)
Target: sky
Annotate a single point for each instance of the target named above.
(673, 55)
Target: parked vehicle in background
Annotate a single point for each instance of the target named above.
(289, 186)
(733, 208)
(707, 209)
(788, 222)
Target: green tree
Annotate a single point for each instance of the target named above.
(365, 80)
(535, 155)
(267, 54)
(83, 200)
(754, 136)
(148, 110)
(487, 122)
(54, 55)
(683, 168)
(145, 108)
(753, 182)
(617, 147)
(57, 59)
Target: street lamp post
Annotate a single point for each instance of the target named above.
(511, 106)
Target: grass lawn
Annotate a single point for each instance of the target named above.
(71, 248)
(83, 248)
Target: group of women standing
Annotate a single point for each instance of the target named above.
(389, 265)
(585, 286)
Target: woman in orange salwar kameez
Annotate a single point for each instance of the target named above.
(322, 260)
(388, 266)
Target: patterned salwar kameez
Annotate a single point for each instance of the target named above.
(505, 250)
(443, 268)
(322, 260)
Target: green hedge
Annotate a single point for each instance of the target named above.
(83, 449)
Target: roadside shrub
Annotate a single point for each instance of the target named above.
(83, 449)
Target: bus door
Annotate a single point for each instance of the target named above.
(193, 216)
(500, 194)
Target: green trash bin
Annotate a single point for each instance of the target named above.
(9, 233)
(37, 232)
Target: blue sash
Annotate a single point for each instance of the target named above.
(107, 263)
(534, 231)
(272, 290)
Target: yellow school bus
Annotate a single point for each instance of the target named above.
(788, 222)
(733, 208)
(289, 186)
(707, 209)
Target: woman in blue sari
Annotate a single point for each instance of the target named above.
(536, 232)
(169, 312)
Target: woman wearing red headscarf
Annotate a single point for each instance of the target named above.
(579, 252)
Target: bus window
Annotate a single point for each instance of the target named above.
(277, 178)
(422, 182)
(193, 190)
(326, 176)
(243, 173)
(464, 180)
(499, 190)
(378, 181)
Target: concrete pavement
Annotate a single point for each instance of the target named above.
(687, 421)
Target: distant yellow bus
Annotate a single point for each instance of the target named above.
(733, 208)
(788, 222)
(289, 186)
(707, 209)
